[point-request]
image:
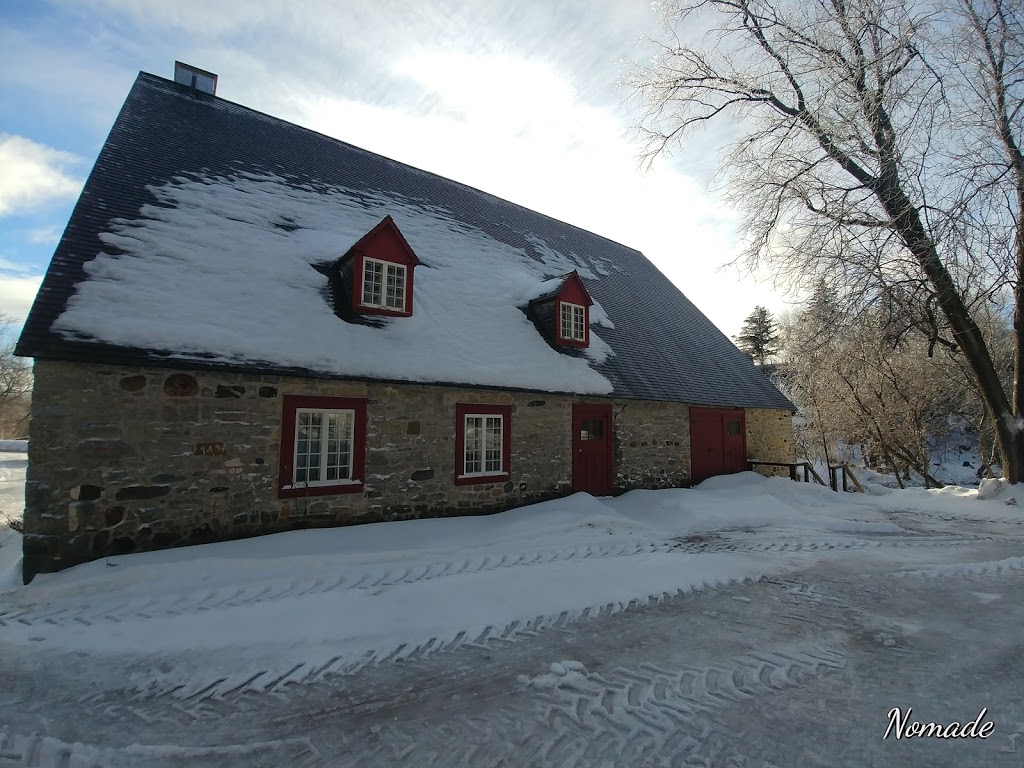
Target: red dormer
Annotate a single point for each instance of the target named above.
(380, 270)
(563, 311)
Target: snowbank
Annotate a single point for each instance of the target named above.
(748, 500)
(13, 463)
(10, 558)
(296, 605)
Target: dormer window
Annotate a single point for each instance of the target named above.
(383, 285)
(375, 275)
(574, 322)
(561, 311)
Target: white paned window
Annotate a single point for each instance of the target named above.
(394, 294)
(323, 446)
(373, 272)
(573, 322)
(383, 285)
(482, 452)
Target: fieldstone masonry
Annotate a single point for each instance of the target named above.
(770, 438)
(130, 459)
(652, 445)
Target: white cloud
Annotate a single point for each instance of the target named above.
(6, 265)
(79, 77)
(518, 100)
(514, 127)
(44, 236)
(17, 293)
(33, 174)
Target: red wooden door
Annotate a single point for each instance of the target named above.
(592, 449)
(734, 442)
(718, 443)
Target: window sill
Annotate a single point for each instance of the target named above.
(499, 477)
(579, 344)
(297, 491)
(369, 309)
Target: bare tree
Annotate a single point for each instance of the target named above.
(874, 154)
(866, 391)
(15, 385)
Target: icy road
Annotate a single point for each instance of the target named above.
(748, 622)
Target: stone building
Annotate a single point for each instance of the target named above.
(249, 327)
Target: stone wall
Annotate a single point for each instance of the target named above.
(652, 445)
(770, 437)
(131, 459)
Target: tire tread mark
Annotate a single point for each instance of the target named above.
(150, 608)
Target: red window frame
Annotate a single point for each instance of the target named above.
(385, 242)
(291, 405)
(569, 341)
(462, 410)
(359, 269)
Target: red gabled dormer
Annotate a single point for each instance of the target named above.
(563, 311)
(380, 266)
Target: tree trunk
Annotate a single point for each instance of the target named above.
(969, 338)
(1017, 439)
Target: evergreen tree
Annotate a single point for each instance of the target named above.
(759, 336)
(824, 315)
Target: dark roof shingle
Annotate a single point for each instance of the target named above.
(663, 347)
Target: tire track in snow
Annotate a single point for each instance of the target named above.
(838, 544)
(234, 597)
(646, 715)
(986, 568)
(280, 680)
(677, 708)
(947, 517)
(668, 712)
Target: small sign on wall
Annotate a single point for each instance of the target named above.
(210, 449)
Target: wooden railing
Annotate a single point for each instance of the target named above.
(847, 475)
(794, 468)
(838, 473)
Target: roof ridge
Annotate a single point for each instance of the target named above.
(477, 190)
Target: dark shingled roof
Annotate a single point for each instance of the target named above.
(664, 347)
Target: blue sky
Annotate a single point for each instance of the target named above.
(522, 99)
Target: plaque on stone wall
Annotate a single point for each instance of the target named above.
(210, 449)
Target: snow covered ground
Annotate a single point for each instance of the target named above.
(13, 461)
(745, 622)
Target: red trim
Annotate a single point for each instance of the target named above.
(581, 411)
(573, 291)
(387, 225)
(586, 325)
(385, 242)
(461, 411)
(284, 476)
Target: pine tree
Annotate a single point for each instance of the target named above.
(759, 336)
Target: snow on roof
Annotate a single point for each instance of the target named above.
(193, 241)
(210, 271)
(547, 288)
